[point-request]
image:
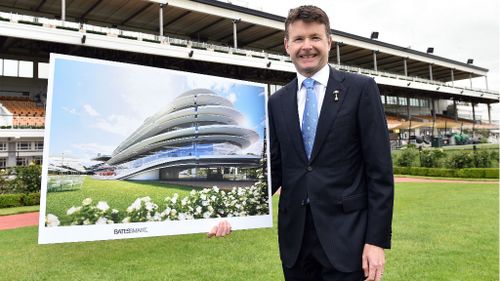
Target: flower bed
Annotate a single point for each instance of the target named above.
(206, 203)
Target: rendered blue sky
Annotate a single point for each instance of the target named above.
(97, 104)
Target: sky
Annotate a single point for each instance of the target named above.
(456, 29)
(97, 104)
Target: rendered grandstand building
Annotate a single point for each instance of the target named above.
(198, 129)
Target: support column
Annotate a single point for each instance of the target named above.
(375, 60)
(405, 67)
(409, 117)
(433, 113)
(63, 10)
(161, 20)
(455, 113)
(486, 82)
(235, 33)
(489, 113)
(337, 45)
(473, 119)
(452, 78)
(430, 72)
(470, 80)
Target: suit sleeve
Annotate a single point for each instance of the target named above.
(378, 166)
(275, 152)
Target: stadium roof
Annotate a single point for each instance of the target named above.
(212, 21)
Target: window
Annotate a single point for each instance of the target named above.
(402, 101)
(21, 161)
(392, 100)
(25, 69)
(3, 162)
(39, 145)
(10, 68)
(414, 102)
(37, 160)
(24, 145)
(43, 70)
(3, 146)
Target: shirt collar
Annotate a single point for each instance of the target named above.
(321, 76)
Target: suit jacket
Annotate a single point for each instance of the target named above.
(348, 180)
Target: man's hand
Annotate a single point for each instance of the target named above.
(373, 262)
(220, 230)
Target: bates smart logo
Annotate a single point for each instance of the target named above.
(130, 230)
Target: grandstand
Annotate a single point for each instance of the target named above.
(217, 38)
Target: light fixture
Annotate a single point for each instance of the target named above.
(470, 61)
(191, 53)
(374, 35)
(84, 38)
(268, 64)
(430, 50)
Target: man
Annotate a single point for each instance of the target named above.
(330, 155)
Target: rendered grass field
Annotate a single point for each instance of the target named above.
(118, 194)
(441, 231)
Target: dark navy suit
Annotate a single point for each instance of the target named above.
(348, 180)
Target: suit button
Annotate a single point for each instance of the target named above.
(309, 168)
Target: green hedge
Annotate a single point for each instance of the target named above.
(19, 199)
(479, 173)
(11, 200)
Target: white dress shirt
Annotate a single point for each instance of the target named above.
(321, 77)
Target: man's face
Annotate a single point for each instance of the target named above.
(308, 46)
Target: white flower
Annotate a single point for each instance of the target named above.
(87, 201)
(71, 211)
(173, 212)
(114, 211)
(51, 220)
(203, 197)
(193, 192)
(150, 206)
(86, 222)
(182, 216)
(101, 220)
(146, 199)
(103, 206)
(184, 201)
(210, 209)
(215, 188)
(189, 217)
(206, 215)
(126, 220)
(213, 197)
(135, 206)
(198, 210)
(174, 199)
(204, 203)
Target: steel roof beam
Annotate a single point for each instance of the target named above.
(145, 7)
(177, 18)
(84, 15)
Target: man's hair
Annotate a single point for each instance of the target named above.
(308, 14)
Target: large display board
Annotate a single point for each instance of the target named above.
(135, 151)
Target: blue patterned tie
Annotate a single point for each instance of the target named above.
(310, 117)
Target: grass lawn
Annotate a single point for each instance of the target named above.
(118, 194)
(441, 231)
(19, 210)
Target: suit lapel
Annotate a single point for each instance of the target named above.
(329, 109)
(291, 118)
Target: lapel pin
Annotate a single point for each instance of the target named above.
(336, 93)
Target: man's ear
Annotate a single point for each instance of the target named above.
(285, 42)
(330, 41)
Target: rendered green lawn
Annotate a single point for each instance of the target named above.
(18, 210)
(118, 194)
(441, 231)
